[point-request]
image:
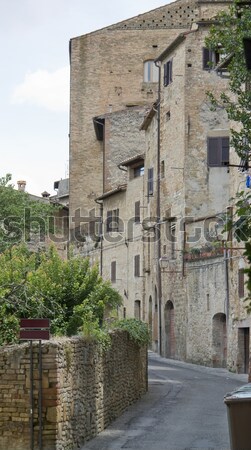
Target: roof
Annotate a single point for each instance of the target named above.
(119, 188)
(133, 160)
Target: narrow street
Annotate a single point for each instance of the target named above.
(183, 410)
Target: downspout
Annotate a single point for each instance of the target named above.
(101, 235)
(101, 203)
(158, 234)
(226, 259)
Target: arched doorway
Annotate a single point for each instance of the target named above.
(219, 357)
(169, 330)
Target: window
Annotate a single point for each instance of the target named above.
(112, 223)
(151, 72)
(210, 58)
(162, 169)
(137, 310)
(168, 72)
(137, 265)
(137, 212)
(173, 239)
(241, 283)
(150, 182)
(113, 272)
(218, 151)
(138, 171)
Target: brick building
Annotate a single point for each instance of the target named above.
(149, 180)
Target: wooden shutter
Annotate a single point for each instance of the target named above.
(168, 72)
(218, 151)
(165, 75)
(241, 283)
(214, 151)
(225, 151)
(109, 221)
(137, 212)
(150, 182)
(113, 272)
(137, 265)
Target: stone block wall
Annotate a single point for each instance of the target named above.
(83, 390)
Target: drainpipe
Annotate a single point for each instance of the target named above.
(158, 234)
(101, 235)
(226, 259)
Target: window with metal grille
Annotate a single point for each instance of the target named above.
(168, 72)
(218, 151)
(137, 265)
(113, 272)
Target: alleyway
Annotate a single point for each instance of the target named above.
(183, 410)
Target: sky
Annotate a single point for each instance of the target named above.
(34, 81)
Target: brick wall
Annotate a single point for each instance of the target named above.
(83, 391)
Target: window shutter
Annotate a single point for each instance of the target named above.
(137, 265)
(218, 151)
(150, 182)
(241, 283)
(116, 220)
(137, 212)
(109, 221)
(170, 71)
(165, 75)
(214, 153)
(113, 272)
(225, 151)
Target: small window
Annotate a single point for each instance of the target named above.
(162, 169)
(137, 310)
(241, 283)
(168, 72)
(112, 222)
(151, 74)
(218, 151)
(210, 58)
(138, 171)
(137, 212)
(137, 265)
(113, 272)
(172, 237)
(150, 182)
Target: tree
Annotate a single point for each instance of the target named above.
(226, 37)
(41, 284)
(21, 218)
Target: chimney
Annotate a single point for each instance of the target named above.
(45, 194)
(21, 184)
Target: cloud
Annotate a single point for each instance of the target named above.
(49, 90)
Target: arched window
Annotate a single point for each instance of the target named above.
(151, 72)
(137, 310)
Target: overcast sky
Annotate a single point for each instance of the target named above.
(34, 80)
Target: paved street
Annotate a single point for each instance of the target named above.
(183, 410)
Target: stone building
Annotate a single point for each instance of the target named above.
(150, 179)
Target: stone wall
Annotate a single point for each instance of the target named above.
(83, 391)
